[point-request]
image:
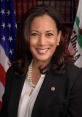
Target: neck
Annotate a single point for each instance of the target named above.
(40, 64)
(35, 73)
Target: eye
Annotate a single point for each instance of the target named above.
(49, 34)
(34, 33)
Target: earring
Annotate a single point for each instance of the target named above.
(58, 44)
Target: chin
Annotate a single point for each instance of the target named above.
(42, 59)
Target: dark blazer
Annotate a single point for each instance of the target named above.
(59, 96)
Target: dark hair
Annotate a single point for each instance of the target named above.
(23, 54)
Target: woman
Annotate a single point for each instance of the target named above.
(41, 83)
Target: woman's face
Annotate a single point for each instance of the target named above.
(43, 38)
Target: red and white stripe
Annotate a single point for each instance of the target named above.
(4, 65)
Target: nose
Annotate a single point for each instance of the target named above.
(42, 40)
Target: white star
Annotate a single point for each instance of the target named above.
(14, 12)
(2, 11)
(10, 39)
(16, 26)
(9, 25)
(3, 38)
(8, 12)
(3, 25)
(11, 52)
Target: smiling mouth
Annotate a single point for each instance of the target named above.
(42, 51)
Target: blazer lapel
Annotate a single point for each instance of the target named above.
(45, 93)
(47, 96)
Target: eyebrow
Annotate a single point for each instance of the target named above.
(45, 31)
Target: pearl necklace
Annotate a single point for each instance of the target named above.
(29, 74)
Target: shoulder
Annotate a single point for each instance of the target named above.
(12, 71)
(72, 68)
(74, 74)
(11, 74)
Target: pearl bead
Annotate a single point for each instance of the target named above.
(29, 75)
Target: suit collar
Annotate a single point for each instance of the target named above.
(48, 83)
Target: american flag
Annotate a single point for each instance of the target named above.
(7, 40)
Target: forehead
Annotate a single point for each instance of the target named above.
(43, 22)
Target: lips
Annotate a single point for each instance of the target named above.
(42, 50)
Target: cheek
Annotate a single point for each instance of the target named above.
(32, 42)
(53, 45)
(53, 42)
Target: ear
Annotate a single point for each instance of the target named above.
(59, 37)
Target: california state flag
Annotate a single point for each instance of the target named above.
(75, 46)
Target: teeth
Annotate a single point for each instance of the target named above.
(42, 51)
